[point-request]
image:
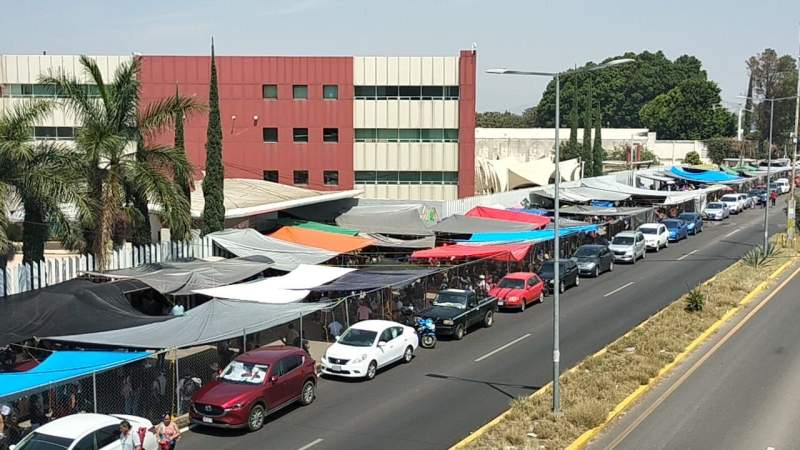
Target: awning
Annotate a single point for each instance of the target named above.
(368, 279)
(584, 210)
(458, 224)
(507, 252)
(286, 255)
(652, 176)
(61, 367)
(74, 306)
(708, 177)
(511, 216)
(334, 242)
(311, 225)
(530, 236)
(292, 287)
(382, 240)
(581, 194)
(402, 220)
(212, 321)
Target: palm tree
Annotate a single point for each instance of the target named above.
(124, 172)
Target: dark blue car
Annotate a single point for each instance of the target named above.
(678, 229)
(693, 221)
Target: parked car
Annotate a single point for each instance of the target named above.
(783, 185)
(693, 220)
(747, 201)
(254, 385)
(628, 246)
(759, 196)
(655, 235)
(716, 211)
(593, 259)
(734, 203)
(678, 229)
(455, 311)
(517, 290)
(86, 431)
(567, 273)
(368, 346)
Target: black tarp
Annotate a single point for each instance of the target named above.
(366, 279)
(75, 306)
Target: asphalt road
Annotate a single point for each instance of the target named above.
(746, 395)
(445, 393)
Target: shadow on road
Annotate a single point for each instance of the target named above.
(493, 385)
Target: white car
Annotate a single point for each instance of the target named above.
(367, 346)
(656, 235)
(783, 185)
(628, 246)
(747, 200)
(716, 211)
(85, 431)
(733, 202)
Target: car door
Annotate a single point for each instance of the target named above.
(274, 394)
(663, 234)
(106, 438)
(606, 258)
(531, 291)
(640, 243)
(290, 382)
(398, 343)
(472, 313)
(384, 355)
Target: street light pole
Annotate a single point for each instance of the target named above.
(790, 207)
(769, 168)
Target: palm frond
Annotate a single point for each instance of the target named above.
(158, 115)
(17, 122)
(171, 159)
(91, 68)
(158, 189)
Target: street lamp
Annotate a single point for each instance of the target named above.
(556, 236)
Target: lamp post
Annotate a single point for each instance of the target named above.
(556, 235)
(790, 207)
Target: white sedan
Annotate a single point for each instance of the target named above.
(86, 431)
(656, 235)
(368, 346)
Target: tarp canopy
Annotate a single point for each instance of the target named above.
(511, 216)
(402, 220)
(74, 306)
(581, 194)
(292, 287)
(458, 224)
(505, 252)
(382, 240)
(530, 236)
(210, 322)
(368, 279)
(311, 225)
(61, 367)
(585, 210)
(708, 177)
(656, 177)
(334, 242)
(286, 255)
(183, 277)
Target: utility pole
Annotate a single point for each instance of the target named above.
(790, 207)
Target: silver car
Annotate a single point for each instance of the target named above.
(628, 246)
(716, 211)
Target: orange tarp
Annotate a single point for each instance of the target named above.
(320, 239)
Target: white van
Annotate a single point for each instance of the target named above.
(733, 202)
(783, 185)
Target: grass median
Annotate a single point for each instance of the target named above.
(591, 390)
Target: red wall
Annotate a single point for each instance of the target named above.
(466, 127)
(240, 80)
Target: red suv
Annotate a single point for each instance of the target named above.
(255, 385)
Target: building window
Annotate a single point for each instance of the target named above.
(300, 92)
(406, 92)
(43, 90)
(410, 92)
(300, 134)
(301, 177)
(330, 177)
(271, 175)
(270, 135)
(409, 177)
(330, 92)
(330, 135)
(269, 91)
(54, 133)
(365, 176)
(406, 135)
(364, 92)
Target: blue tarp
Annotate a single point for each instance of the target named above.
(709, 176)
(61, 367)
(529, 236)
(536, 211)
(602, 204)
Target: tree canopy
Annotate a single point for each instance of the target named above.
(773, 76)
(506, 119)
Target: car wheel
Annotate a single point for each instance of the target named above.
(408, 355)
(372, 369)
(541, 297)
(308, 394)
(561, 287)
(488, 319)
(577, 280)
(611, 266)
(658, 248)
(255, 420)
(459, 333)
(596, 271)
(666, 243)
(644, 255)
(522, 306)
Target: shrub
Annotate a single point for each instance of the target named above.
(695, 300)
(759, 256)
(587, 414)
(692, 158)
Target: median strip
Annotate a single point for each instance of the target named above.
(503, 347)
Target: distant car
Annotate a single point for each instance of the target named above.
(747, 201)
(783, 185)
(254, 385)
(693, 220)
(759, 196)
(567, 273)
(734, 203)
(678, 229)
(370, 345)
(593, 259)
(86, 431)
(655, 235)
(517, 290)
(455, 311)
(628, 246)
(716, 211)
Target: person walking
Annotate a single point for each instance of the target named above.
(772, 197)
(167, 433)
(128, 439)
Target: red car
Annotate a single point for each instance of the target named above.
(255, 385)
(517, 290)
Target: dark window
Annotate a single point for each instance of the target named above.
(300, 177)
(44, 90)
(289, 363)
(387, 177)
(409, 177)
(386, 336)
(87, 443)
(431, 177)
(408, 135)
(365, 177)
(107, 435)
(387, 134)
(451, 92)
(300, 91)
(270, 134)
(330, 135)
(410, 92)
(269, 91)
(450, 177)
(271, 175)
(386, 92)
(330, 177)
(330, 91)
(45, 133)
(451, 135)
(65, 132)
(365, 92)
(365, 134)
(432, 92)
(432, 135)
(300, 134)
(27, 89)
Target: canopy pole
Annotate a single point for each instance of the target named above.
(347, 311)
(244, 341)
(94, 390)
(301, 330)
(178, 384)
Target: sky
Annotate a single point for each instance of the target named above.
(533, 34)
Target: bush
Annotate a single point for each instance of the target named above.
(695, 300)
(587, 414)
(758, 256)
(692, 158)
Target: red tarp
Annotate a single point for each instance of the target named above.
(510, 216)
(506, 252)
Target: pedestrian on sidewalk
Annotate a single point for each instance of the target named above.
(128, 439)
(168, 433)
(772, 197)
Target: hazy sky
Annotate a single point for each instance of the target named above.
(540, 35)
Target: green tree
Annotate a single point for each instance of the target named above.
(586, 149)
(214, 181)
(494, 119)
(180, 144)
(773, 77)
(597, 149)
(572, 149)
(689, 111)
(719, 149)
(692, 158)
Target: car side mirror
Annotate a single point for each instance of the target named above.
(273, 379)
(381, 344)
(337, 338)
(12, 446)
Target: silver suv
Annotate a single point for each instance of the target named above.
(628, 246)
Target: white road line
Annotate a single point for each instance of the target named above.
(619, 289)
(770, 448)
(732, 232)
(311, 444)
(687, 255)
(527, 335)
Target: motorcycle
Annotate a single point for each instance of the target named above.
(425, 328)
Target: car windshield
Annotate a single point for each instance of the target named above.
(244, 372)
(728, 198)
(548, 269)
(38, 441)
(510, 283)
(451, 299)
(587, 252)
(686, 217)
(672, 224)
(355, 337)
(714, 206)
(622, 240)
(648, 230)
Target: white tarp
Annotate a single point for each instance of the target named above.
(287, 256)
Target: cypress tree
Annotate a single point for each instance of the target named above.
(586, 149)
(180, 145)
(213, 183)
(572, 150)
(597, 149)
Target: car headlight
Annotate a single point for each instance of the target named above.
(513, 298)
(589, 265)
(629, 252)
(361, 358)
(447, 322)
(236, 406)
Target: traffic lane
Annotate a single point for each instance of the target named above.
(746, 395)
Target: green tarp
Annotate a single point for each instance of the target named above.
(309, 225)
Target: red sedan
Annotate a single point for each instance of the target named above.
(255, 385)
(517, 290)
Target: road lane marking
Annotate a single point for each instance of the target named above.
(526, 335)
(311, 444)
(619, 289)
(732, 232)
(687, 255)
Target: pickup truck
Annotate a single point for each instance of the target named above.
(454, 311)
